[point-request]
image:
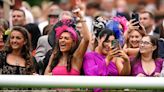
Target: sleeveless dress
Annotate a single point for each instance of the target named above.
(62, 70)
(8, 69)
(137, 68)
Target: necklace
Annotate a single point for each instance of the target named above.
(16, 62)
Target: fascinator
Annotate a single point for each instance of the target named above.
(123, 21)
(66, 24)
(114, 26)
(59, 30)
(98, 25)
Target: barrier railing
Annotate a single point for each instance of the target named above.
(81, 82)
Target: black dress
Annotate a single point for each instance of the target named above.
(8, 69)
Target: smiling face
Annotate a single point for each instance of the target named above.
(146, 45)
(17, 40)
(134, 38)
(65, 42)
(105, 45)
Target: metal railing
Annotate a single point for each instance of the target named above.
(40, 81)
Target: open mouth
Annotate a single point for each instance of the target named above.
(62, 46)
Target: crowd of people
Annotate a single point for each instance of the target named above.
(88, 39)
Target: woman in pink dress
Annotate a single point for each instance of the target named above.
(106, 60)
(68, 53)
(147, 62)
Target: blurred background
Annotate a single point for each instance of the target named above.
(40, 9)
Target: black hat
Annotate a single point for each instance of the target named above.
(52, 34)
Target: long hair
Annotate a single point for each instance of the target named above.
(154, 42)
(141, 32)
(57, 54)
(25, 50)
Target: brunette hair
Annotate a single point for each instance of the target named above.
(57, 54)
(154, 41)
(25, 50)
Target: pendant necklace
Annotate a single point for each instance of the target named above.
(16, 62)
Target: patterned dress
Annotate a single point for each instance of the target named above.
(8, 69)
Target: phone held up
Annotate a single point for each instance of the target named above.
(135, 16)
(116, 44)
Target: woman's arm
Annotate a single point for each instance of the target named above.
(123, 66)
(123, 63)
(132, 51)
(131, 26)
(80, 51)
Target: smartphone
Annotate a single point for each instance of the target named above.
(136, 17)
(116, 44)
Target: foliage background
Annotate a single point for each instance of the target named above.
(38, 2)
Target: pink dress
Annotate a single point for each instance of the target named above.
(137, 68)
(62, 70)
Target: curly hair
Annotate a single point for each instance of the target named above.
(25, 50)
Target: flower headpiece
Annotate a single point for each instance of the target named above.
(123, 21)
(68, 22)
(59, 30)
(114, 26)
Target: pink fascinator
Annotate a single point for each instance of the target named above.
(123, 21)
(64, 28)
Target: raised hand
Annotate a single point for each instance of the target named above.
(132, 25)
